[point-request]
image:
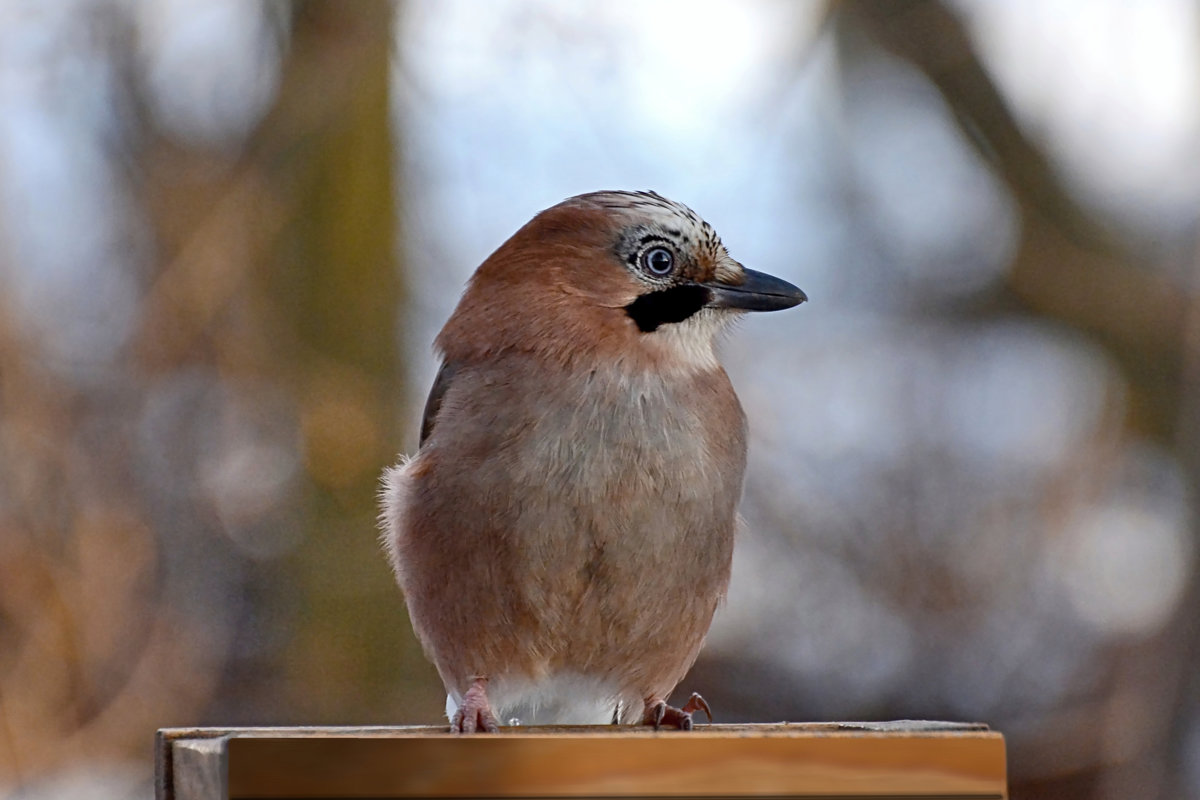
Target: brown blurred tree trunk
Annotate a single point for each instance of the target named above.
(332, 280)
(292, 277)
(273, 269)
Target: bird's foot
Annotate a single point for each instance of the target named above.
(475, 713)
(658, 713)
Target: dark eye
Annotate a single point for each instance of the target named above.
(658, 261)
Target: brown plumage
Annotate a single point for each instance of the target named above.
(565, 532)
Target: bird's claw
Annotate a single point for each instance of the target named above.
(697, 703)
(658, 713)
(475, 712)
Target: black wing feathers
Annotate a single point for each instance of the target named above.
(440, 384)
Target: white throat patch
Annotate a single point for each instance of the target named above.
(690, 345)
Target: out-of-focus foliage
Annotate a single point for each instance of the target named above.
(199, 377)
(230, 230)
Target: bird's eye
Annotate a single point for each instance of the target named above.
(658, 261)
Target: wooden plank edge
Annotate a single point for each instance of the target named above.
(893, 727)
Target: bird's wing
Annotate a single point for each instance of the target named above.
(440, 385)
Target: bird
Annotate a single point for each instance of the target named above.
(564, 533)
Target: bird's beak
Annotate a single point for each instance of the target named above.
(758, 292)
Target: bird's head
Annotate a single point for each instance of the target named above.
(630, 276)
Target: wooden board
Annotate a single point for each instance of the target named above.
(828, 760)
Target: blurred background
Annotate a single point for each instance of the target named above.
(230, 230)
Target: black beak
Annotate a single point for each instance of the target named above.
(759, 292)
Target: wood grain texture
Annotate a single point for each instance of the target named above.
(200, 768)
(845, 760)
